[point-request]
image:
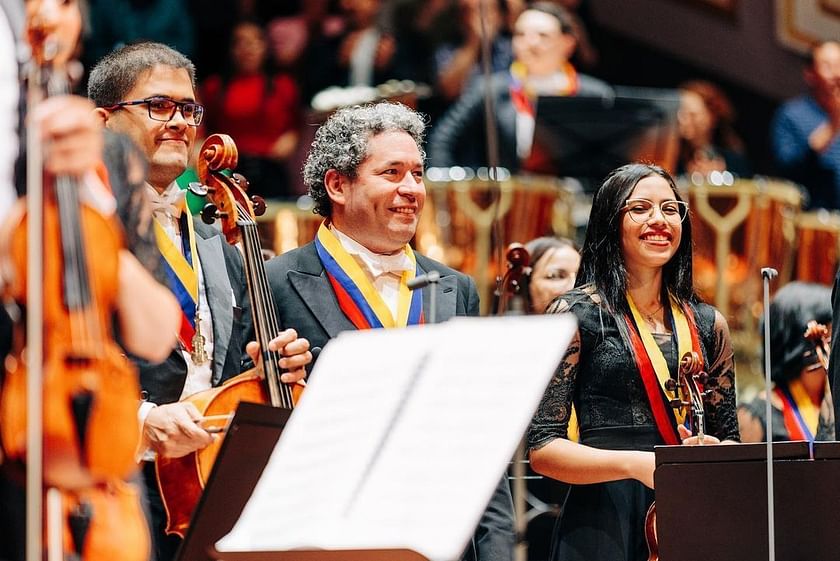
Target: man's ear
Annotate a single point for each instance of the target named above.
(336, 185)
(102, 114)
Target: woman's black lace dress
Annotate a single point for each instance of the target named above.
(598, 375)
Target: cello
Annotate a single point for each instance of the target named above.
(181, 480)
(68, 403)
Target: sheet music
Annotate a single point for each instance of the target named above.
(402, 436)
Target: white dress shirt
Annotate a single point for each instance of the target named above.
(167, 208)
(384, 271)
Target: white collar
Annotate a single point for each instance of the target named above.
(170, 203)
(377, 264)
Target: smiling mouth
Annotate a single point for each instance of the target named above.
(408, 211)
(658, 238)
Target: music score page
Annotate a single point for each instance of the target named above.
(401, 437)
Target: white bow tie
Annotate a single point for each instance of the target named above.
(170, 203)
(383, 264)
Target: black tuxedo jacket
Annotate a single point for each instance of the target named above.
(227, 296)
(306, 302)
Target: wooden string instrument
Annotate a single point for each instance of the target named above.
(181, 480)
(68, 409)
(691, 391)
(820, 336)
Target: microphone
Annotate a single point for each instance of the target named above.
(432, 277)
(769, 273)
(423, 280)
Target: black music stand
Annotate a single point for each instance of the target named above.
(587, 137)
(711, 501)
(247, 446)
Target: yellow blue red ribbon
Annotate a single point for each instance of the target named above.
(357, 297)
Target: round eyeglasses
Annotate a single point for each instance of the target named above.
(643, 210)
(163, 109)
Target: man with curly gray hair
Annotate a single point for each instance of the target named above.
(365, 173)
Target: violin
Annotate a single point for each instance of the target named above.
(181, 480)
(691, 390)
(820, 336)
(82, 393)
(509, 289)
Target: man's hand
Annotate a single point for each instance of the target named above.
(71, 132)
(295, 353)
(173, 431)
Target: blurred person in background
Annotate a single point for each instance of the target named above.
(543, 43)
(800, 399)
(259, 108)
(554, 266)
(457, 62)
(708, 141)
(805, 130)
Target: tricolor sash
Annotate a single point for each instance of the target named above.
(181, 274)
(801, 415)
(652, 365)
(357, 297)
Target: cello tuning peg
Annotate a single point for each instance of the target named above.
(209, 213)
(675, 403)
(240, 180)
(197, 189)
(259, 205)
(671, 385)
(703, 378)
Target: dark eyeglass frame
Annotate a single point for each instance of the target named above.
(197, 109)
(682, 205)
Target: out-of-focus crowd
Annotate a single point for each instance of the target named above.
(260, 63)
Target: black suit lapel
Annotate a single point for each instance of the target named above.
(316, 292)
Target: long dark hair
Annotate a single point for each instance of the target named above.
(793, 306)
(602, 263)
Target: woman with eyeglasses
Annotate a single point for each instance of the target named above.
(637, 315)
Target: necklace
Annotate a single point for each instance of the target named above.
(649, 316)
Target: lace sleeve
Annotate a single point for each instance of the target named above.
(552, 418)
(721, 411)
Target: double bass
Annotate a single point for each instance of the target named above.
(181, 480)
(68, 403)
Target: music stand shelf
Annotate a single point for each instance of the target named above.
(711, 501)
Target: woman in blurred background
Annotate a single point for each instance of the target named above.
(708, 141)
(801, 398)
(258, 108)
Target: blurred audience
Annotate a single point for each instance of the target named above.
(554, 267)
(543, 43)
(802, 408)
(708, 141)
(258, 107)
(805, 130)
(457, 62)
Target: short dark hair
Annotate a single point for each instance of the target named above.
(342, 143)
(792, 307)
(117, 72)
(602, 263)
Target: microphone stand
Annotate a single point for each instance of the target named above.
(768, 273)
(430, 278)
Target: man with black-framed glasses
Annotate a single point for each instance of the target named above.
(147, 92)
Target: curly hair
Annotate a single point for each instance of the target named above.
(118, 71)
(342, 143)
